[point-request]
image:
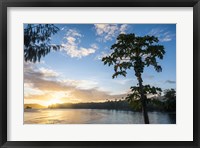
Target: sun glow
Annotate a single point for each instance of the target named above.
(53, 101)
(56, 98)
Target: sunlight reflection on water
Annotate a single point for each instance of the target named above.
(93, 116)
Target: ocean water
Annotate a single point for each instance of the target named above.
(93, 116)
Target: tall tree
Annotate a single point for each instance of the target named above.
(134, 52)
(37, 39)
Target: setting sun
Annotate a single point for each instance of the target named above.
(53, 101)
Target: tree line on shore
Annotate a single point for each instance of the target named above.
(167, 104)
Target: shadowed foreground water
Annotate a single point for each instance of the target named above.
(93, 116)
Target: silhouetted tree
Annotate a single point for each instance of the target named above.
(134, 52)
(37, 39)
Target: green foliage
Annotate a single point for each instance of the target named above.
(167, 104)
(131, 51)
(147, 89)
(170, 96)
(136, 105)
(135, 96)
(37, 41)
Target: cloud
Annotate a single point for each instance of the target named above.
(94, 46)
(150, 77)
(162, 34)
(48, 72)
(124, 81)
(80, 84)
(123, 28)
(71, 46)
(101, 55)
(38, 87)
(170, 81)
(73, 32)
(107, 32)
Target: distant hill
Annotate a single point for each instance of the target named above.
(33, 106)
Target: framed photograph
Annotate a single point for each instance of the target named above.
(99, 74)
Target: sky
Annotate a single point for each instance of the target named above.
(76, 73)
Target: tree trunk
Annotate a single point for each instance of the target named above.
(144, 109)
(143, 101)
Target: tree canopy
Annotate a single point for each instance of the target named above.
(137, 52)
(37, 41)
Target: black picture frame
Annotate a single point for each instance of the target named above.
(4, 4)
